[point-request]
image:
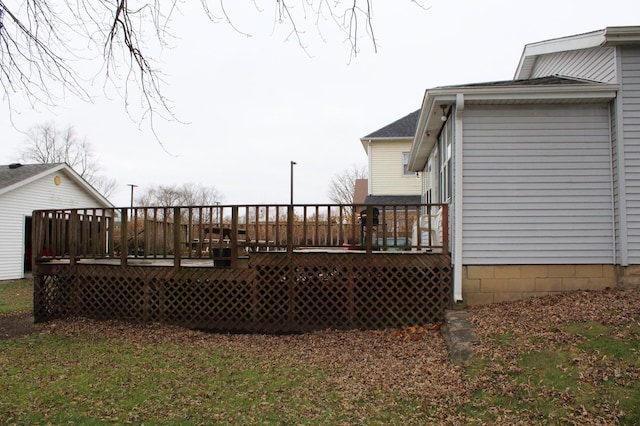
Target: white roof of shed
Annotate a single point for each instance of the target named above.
(14, 176)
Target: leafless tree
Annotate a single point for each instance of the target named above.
(40, 41)
(48, 144)
(343, 184)
(188, 194)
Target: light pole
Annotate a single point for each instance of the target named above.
(132, 186)
(293, 163)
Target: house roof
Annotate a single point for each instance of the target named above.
(15, 173)
(13, 176)
(610, 36)
(552, 89)
(540, 81)
(404, 127)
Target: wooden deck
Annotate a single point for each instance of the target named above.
(279, 286)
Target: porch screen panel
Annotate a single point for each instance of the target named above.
(537, 185)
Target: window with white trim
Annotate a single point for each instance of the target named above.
(445, 150)
(405, 165)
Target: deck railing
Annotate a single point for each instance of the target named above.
(228, 232)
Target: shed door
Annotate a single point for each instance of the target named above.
(28, 252)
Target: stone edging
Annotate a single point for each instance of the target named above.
(458, 333)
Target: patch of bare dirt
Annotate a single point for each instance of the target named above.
(18, 324)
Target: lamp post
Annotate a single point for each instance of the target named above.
(132, 186)
(293, 163)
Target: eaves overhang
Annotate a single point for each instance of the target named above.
(608, 37)
(366, 141)
(436, 100)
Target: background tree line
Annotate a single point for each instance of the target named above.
(48, 144)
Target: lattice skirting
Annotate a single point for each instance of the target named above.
(278, 292)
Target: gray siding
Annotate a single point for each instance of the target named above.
(630, 61)
(537, 185)
(591, 64)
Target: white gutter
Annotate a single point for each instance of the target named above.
(421, 127)
(457, 199)
(542, 93)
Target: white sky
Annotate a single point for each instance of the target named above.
(255, 104)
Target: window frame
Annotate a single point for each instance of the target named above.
(405, 164)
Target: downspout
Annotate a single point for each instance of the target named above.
(457, 199)
(622, 189)
(614, 241)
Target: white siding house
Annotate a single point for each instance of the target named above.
(542, 172)
(24, 188)
(390, 180)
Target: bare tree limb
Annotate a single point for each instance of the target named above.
(37, 59)
(188, 194)
(47, 144)
(342, 185)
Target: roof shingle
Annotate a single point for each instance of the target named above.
(11, 174)
(402, 128)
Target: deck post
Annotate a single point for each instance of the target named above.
(290, 229)
(124, 243)
(445, 228)
(234, 236)
(368, 235)
(73, 236)
(177, 253)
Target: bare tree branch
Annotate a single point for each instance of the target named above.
(342, 185)
(38, 55)
(188, 194)
(47, 144)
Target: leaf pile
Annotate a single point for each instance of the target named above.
(560, 359)
(566, 358)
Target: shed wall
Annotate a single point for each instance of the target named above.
(18, 204)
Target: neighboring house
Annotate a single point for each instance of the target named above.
(28, 187)
(390, 180)
(542, 172)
